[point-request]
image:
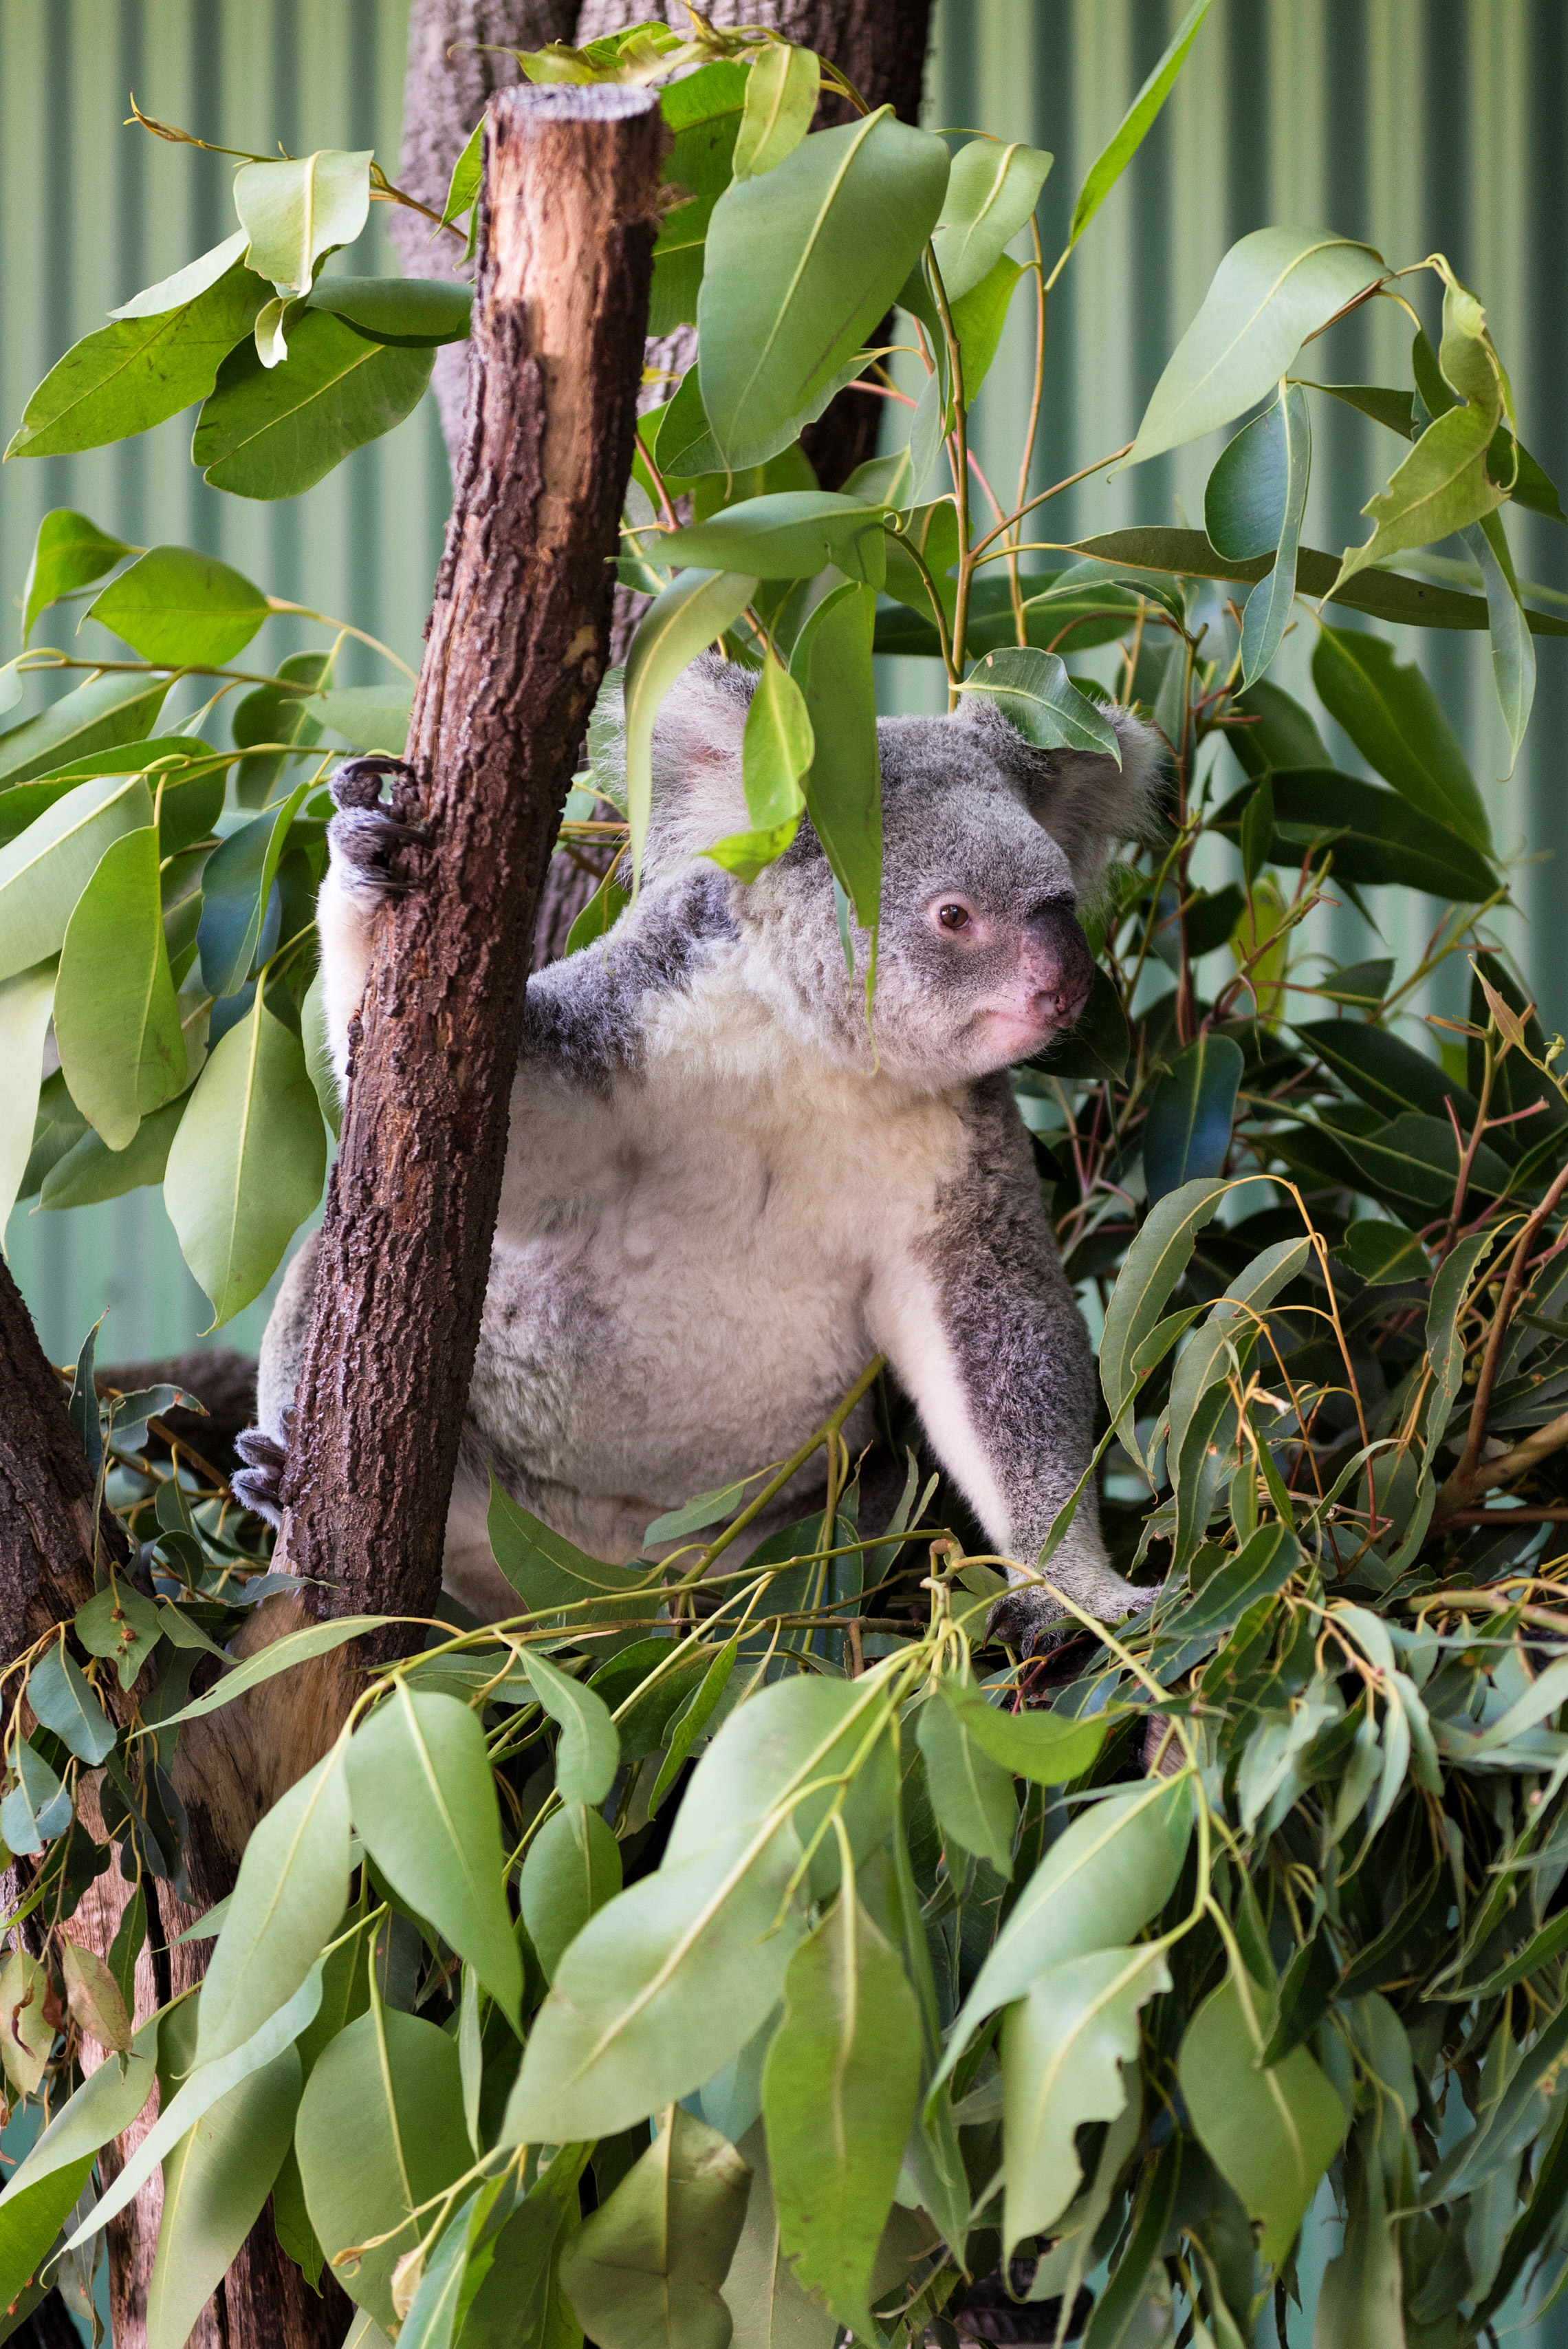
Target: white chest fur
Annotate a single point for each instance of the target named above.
(684, 1267)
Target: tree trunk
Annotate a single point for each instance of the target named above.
(46, 1537)
(880, 44)
(514, 654)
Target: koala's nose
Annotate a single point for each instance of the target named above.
(1056, 963)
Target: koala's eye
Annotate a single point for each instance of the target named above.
(954, 917)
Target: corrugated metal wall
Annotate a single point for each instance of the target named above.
(1417, 124)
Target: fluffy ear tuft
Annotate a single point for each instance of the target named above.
(1085, 800)
(699, 795)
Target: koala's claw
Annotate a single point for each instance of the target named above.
(1028, 1622)
(365, 836)
(259, 1484)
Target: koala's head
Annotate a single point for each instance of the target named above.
(989, 849)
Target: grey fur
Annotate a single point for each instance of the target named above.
(724, 1192)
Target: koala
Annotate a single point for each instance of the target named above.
(727, 1188)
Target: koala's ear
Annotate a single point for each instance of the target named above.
(699, 795)
(1085, 801)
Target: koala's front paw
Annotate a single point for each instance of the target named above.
(1029, 1622)
(365, 836)
(259, 1484)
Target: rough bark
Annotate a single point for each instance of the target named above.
(45, 1490)
(881, 45)
(514, 654)
(45, 1574)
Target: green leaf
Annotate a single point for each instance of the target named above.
(247, 1162)
(45, 2184)
(1064, 2047)
(973, 1797)
(1099, 1883)
(1444, 483)
(838, 2093)
(801, 264)
(97, 716)
(1043, 1746)
(600, 915)
(68, 552)
(548, 1574)
(268, 714)
(215, 2181)
(777, 750)
(173, 605)
(295, 212)
(1398, 724)
(1396, 409)
(1270, 2134)
(1380, 1069)
(202, 2088)
(117, 1022)
(423, 1799)
(292, 1889)
(120, 1622)
(1417, 1158)
(659, 1990)
(1268, 607)
(646, 2267)
(145, 366)
(236, 886)
(64, 1700)
(1133, 129)
(1262, 1566)
(1187, 1134)
(1156, 1261)
(1385, 595)
(692, 1720)
(413, 313)
(831, 661)
(978, 318)
(573, 1868)
(768, 2303)
(992, 192)
(36, 1810)
(270, 432)
(371, 717)
(788, 536)
(389, 2087)
(1040, 700)
(1513, 649)
(27, 1006)
(697, 606)
(176, 292)
(463, 187)
(1374, 835)
(704, 111)
(89, 1171)
(1379, 1253)
(1272, 290)
(588, 1752)
(781, 99)
(519, 2298)
(1246, 495)
(1360, 2298)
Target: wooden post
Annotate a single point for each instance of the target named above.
(516, 648)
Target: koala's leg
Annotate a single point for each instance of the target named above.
(982, 1331)
(264, 1448)
(361, 840)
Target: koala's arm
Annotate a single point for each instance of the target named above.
(361, 840)
(980, 1329)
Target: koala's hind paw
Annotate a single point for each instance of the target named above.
(259, 1484)
(1029, 1619)
(365, 836)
